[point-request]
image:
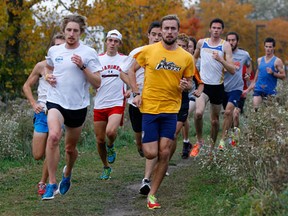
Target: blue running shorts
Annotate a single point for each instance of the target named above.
(232, 97)
(40, 122)
(155, 126)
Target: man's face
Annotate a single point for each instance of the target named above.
(269, 49)
(155, 35)
(233, 41)
(169, 31)
(113, 44)
(216, 30)
(72, 33)
(191, 47)
(182, 44)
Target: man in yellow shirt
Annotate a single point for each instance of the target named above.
(168, 71)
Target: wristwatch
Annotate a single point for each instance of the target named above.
(135, 94)
(83, 67)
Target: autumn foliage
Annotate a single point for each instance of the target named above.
(27, 28)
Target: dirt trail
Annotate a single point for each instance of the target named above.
(129, 196)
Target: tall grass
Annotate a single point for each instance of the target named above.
(16, 130)
(258, 166)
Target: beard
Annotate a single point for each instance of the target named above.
(169, 42)
(235, 47)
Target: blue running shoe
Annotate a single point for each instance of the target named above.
(51, 191)
(111, 154)
(65, 183)
(106, 173)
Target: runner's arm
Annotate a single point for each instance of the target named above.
(30, 82)
(132, 77)
(280, 67)
(228, 62)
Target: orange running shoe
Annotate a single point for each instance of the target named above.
(195, 150)
(152, 202)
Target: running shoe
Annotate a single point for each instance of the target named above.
(106, 173)
(111, 154)
(233, 143)
(187, 146)
(152, 202)
(145, 187)
(221, 145)
(196, 149)
(236, 137)
(65, 183)
(41, 188)
(51, 191)
(230, 136)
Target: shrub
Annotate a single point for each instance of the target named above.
(16, 130)
(258, 166)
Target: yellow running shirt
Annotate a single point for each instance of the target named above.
(163, 71)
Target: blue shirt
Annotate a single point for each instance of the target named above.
(266, 82)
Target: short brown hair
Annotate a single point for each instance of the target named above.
(183, 37)
(81, 20)
(170, 17)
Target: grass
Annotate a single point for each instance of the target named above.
(187, 191)
(248, 180)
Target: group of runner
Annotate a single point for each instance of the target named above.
(161, 96)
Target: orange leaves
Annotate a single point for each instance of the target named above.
(132, 18)
(190, 26)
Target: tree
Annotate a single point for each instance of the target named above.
(234, 15)
(191, 26)
(269, 9)
(23, 42)
(278, 29)
(132, 18)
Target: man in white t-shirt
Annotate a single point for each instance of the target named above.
(109, 102)
(40, 133)
(71, 69)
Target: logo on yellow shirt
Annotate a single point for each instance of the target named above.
(167, 66)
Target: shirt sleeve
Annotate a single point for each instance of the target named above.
(190, 69)
(140, 57)
(197, 77)
(93, 63)
(49, 59)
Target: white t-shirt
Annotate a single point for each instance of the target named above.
(139, 73)
(112, 89)
(72, 87)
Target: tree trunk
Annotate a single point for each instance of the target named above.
(12, 43)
